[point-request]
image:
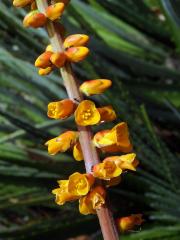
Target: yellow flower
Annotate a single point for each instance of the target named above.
(93, 201)
(106, 170)
(114, 140)
(61, 109)
(62, 194)
(45, 71)
(76, 54)
(62, 143)
(21, 3)
(128, 223)
(87, 114)
(79, 184)
(34, 19)
(107, 114)
(55, 11)
(76, 40)
(77, 152)
(125, 162)
(97, 86)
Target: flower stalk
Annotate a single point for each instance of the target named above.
(90, 154)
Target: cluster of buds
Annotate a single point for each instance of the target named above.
(74, 51)
(82, 187)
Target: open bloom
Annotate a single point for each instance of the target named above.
(80, 184)
(93, 201)
(62, 143)
(106, 170)
(62, 194)
(77, 152)
(61, 109)
(76, 40)
(21, 3)
(34, 19)
(107, 114)
(87, 114)
(55, 11)
(97, 86)
(114, 140)
(76, 54)
(128, 223)
(125, 162)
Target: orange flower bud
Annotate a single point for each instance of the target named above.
(55, 11)
(128, 223)
(61, 109)
(45, 71)
(58, 59)
(114, 140)
(93, 201)
(87, 114)
(43, 61)
(107, 114)
(77, 152)
(34, 19)
(76, 40)
(106, 170)
(80, 184)
(62, 143)
(76, 54)
(97, 86)
(21, 3)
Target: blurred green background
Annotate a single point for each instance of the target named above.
(136, 43)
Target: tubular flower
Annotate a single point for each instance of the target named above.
(76, 40)
(58, 59)
(87, 114)
(114, 140)
(93, 201)
(128, 223)
(106, 170)
(61, 109)
(125, 162)
(107, 114)
(76, 54)
(77, 152)
(55, 11)
(34, 19)
(80, 184)
(45, 71)
(22, 3)
(62, 194)
(97, 86)
(62, 143)
(43, 61)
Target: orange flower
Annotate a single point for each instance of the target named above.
(22, 3)
(55, 11)
(114, 140)
(58, 59)
(62, 143)
(62, 194)
(43, 61)
(106, 170)
(97, 86)
(61, 109)
(93, 201)
(45, 71)
(128, 223)
(107, 114)
(87, 114)
(76, 54)
(77, 152)
(34, 19)
(76, 40)
(124, 162)
(79, 184)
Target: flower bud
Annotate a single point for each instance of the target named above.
(128, 223)
(76, 40)
(77, 152)
(34, 19)
(107, 114)
(49, 48)
(76, 54)
(22, 3)
(58, 59)
(55, 11)
(43, 61)
(45, 71)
